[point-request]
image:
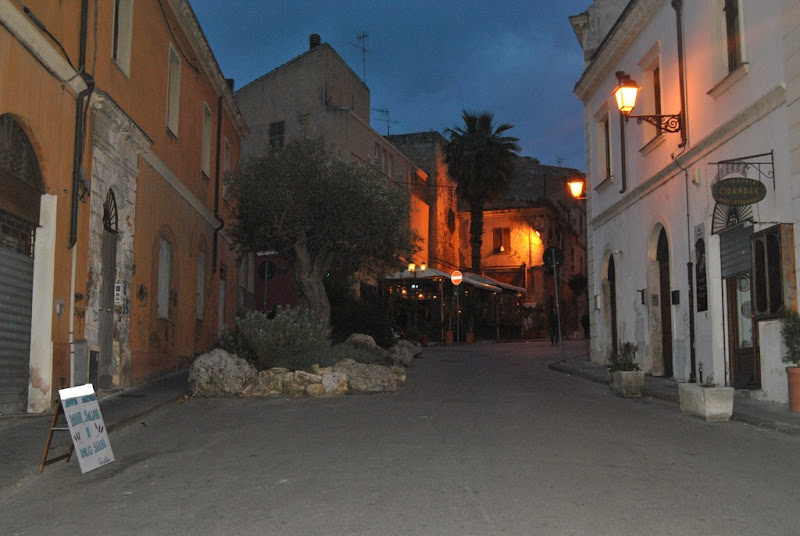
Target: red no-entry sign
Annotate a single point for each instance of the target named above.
(456, 277)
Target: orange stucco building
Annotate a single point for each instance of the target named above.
(116, 126)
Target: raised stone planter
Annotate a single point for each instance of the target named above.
(710, 403)
(627, 383)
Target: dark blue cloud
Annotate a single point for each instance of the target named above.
(427, 60)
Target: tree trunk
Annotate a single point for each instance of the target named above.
(309, 288)
(476, 233)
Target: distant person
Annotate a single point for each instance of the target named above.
(585, 324)
(554, 335)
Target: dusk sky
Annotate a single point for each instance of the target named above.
(427, 60)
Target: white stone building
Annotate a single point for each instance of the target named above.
(685, 265)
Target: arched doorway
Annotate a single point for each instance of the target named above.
(22, 186)
(665, 301)
(108, 365)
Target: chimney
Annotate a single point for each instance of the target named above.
(313, 41)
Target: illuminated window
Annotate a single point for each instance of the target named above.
(501, 240)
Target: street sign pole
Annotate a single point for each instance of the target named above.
(456, 278)
(558, 309)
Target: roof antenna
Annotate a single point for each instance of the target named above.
(387, 118)
(362, 46)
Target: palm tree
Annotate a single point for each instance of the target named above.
(480, 158)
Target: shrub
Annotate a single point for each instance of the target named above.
(790, 331)
(327, 357)
(625, 358)
(276, 342)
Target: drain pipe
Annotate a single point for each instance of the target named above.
(678, 6)
(217, 179)
(77, 160)
(80, 127)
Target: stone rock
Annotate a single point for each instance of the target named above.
(414, 347)
(306, 378)
(219, 373)
(315, 389)
(363, 378)
(399, 375)
(365, 340)
(320, 371)
(334, 383)
(291, 386)
(401, 355)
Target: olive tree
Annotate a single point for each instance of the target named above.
(319, 211)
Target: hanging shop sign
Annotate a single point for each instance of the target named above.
(736, 190)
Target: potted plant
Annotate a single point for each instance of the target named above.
(706, 399)
(627, 379)
(790, 331)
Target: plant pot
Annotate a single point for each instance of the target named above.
(710, 403)
(448, 336)
(470, 337)
(627, 383)
(793, 378)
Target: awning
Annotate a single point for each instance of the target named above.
(428, 273)
(497, 286)
(478, 281)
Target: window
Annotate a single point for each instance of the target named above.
(501, 240)
(728, 45)
(276, 131)
(164, 260)
(732, 37)
(205, 158)
(122, 33)
(603, 147)
(173, 90)
(650, 96)
(773, 264)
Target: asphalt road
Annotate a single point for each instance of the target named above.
(483, 440)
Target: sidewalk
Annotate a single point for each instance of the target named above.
(745, 409)
(23, 437)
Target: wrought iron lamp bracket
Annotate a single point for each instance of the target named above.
(667, 123)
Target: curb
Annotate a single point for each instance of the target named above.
(746, 418)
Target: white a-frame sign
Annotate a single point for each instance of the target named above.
(86, 427)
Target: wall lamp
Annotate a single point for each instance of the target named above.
(626, 92)
(576, 188)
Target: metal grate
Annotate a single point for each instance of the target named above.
(16, 234)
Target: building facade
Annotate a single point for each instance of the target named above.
(317, 94)
(690, 235)
(536, 213)
(117, 126)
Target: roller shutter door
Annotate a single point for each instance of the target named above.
(16, 288)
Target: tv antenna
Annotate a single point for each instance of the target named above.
(387, 118)
(362, 46)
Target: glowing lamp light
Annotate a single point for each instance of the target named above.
(626, 92)
(576, 188)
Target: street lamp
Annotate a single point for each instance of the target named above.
(576, 188)
(412, 268)
(626, 92)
